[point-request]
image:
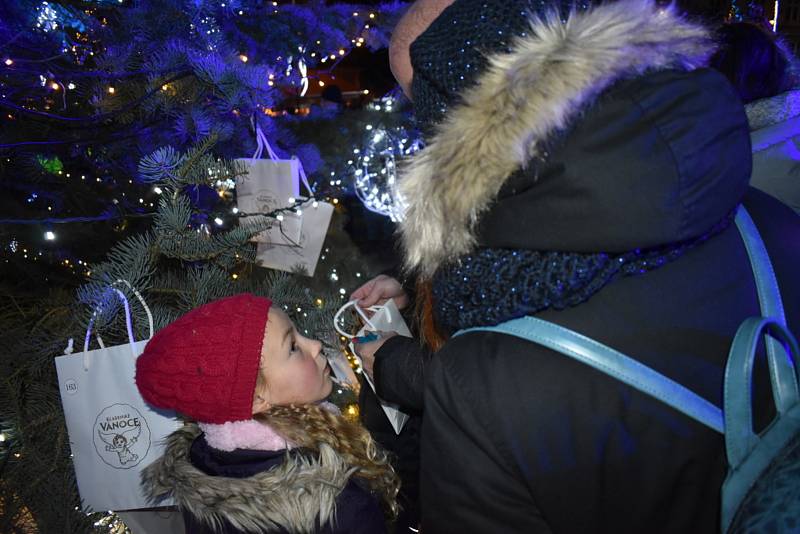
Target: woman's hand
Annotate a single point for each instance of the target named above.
(379, 290)
(366, 351)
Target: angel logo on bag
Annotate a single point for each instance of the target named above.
(121, 436)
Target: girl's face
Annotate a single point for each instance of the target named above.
(293, 368)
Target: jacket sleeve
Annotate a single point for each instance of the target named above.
(399, 372)
(468, 483)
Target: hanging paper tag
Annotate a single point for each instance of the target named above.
(302, 255)
(269, 185)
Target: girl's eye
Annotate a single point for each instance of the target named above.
(294, 346)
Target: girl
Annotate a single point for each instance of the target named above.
(265, 454)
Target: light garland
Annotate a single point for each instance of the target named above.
(375, 166)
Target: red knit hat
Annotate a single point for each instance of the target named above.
(205, 364)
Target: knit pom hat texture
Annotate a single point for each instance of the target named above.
(205, 364)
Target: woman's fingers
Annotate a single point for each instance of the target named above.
(379, 290)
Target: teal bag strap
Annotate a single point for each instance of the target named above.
(641, 377)
(739, 436)
(784, 386)
(750, 455)
(613, 363)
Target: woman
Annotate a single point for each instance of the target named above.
(582, 167)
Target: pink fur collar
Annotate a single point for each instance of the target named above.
(250, 434)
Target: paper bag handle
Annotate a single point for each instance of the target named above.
(128, 321)
(143, 303)
(303, 177)
(354, 304)
(262, 143)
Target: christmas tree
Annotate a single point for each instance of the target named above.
(87, 88)
(122, 125)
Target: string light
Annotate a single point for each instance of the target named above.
(774, 20)
(301, 66)
(111, 90)
(9, 62)
(47, 19)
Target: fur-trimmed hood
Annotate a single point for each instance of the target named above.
(297, 495)
(527, 96)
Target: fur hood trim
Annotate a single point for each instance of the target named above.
(523, 98)
(298, 495)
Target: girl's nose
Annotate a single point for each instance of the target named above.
(316, 348)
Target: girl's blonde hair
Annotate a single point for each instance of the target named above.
(308, 426)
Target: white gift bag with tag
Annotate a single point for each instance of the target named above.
(271, 184)
(385, 318)
(302, 255)
(113, 433)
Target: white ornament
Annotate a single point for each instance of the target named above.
(375, 169)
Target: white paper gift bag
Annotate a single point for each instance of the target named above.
(302, 255)
(385, 318)
(113, 433)
(268, 186)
